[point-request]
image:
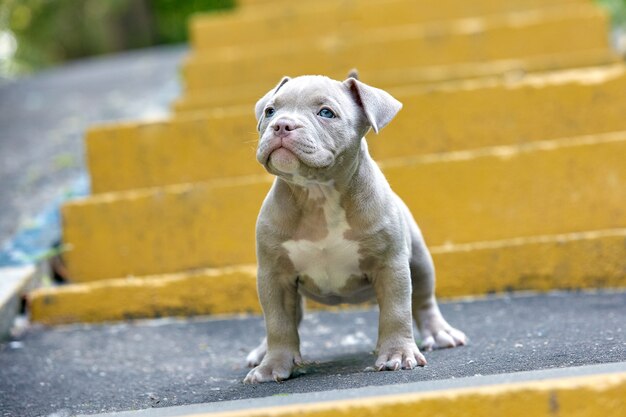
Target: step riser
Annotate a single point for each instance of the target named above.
(213, 292)
(406, 50)
(499, 195)
(247, 94)
(218, 147)
(552, 262)
(298, 20)
(172, 152)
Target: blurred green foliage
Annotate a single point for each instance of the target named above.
(40, 33)
(617, 9)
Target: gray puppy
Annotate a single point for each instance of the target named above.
(331, 228)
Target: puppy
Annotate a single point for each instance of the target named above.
(331, 229)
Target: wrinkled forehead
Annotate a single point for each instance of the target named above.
(312, 90)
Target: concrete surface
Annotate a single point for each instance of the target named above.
(42, 120)
(14, 282)
(43, 117)
(377, 394)
(91, 369)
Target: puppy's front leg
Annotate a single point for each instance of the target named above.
(282, 308)
(396, 346)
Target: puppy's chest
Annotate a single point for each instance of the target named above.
(320, 251)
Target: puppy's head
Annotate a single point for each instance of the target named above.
(311, 127)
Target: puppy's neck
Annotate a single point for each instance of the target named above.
(314, 190)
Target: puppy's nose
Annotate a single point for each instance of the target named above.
(283, 126)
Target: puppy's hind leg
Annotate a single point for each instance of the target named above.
(434, 329)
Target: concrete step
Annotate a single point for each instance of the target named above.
(447, 118)
(271, 23)
(538, 188)
(598, 391)
(200, 362)
(172, 151)
(15, 282)
(517, 35)
(593, 259)
(198, 101)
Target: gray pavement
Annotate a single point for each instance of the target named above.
(376, 391)
(43, 118)
(160, 363)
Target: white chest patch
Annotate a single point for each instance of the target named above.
(330, 261)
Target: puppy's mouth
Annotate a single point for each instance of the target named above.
(291, 154)
(284, 160)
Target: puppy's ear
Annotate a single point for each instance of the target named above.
(354, 73)
(260, 105)
(378, 105)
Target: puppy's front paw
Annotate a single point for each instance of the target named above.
(274, 367)
(402, 354)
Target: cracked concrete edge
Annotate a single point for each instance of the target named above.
(15, 282)
(588, 390)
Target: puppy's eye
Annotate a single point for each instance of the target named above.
(327, 113)
(269, 112)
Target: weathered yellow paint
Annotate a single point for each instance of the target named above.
(323, 18)
(488, 194)
(227, 290)
(539, 263)
(522, 35)
(462, 116)
(163, 230)
(432, 78)
(595, 259)
(544, 188)
(555, 105)
(171, 152)
(586, 396)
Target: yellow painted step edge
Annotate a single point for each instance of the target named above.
(593, 259)
(279, 26)
(384, 31)
(542, 106)
(584, 396)
(504, 192)
(515, 37)
(421, 79)
(256, 5)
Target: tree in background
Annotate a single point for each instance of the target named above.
(38, 33)
(617, 10)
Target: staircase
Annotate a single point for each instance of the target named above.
(510, 151)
